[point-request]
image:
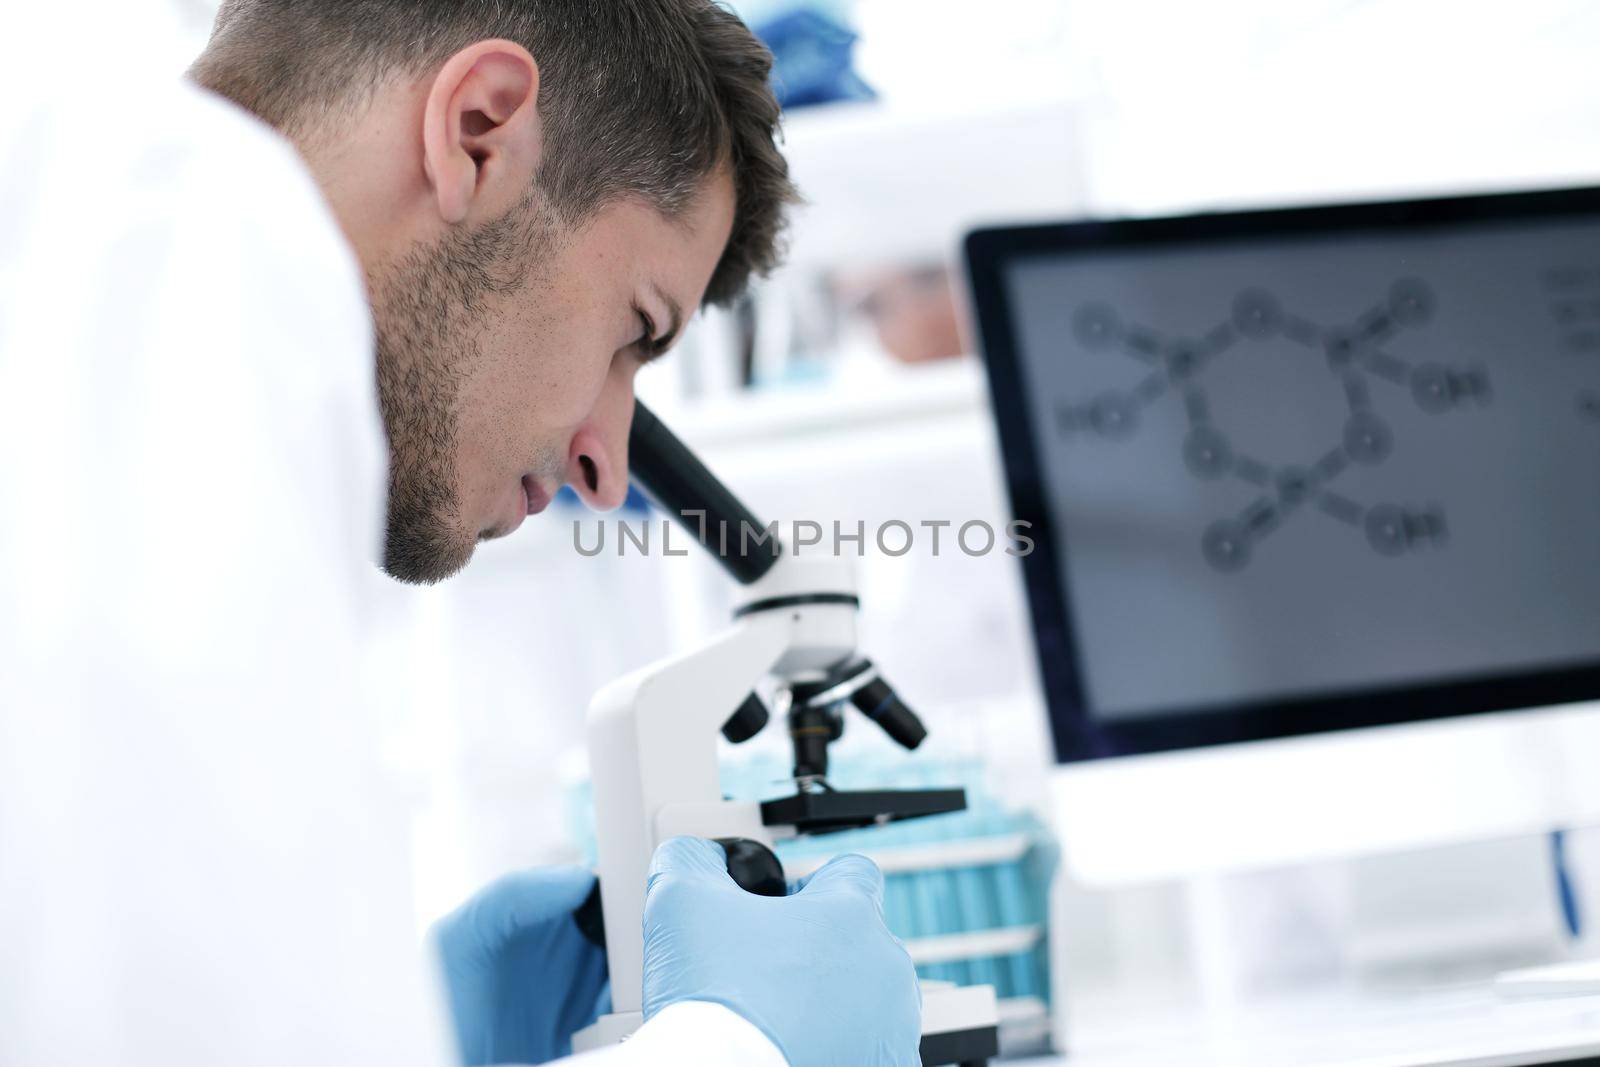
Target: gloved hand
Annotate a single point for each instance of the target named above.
(817, 971)
(521, 977)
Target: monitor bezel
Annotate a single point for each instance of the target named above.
(990, 250)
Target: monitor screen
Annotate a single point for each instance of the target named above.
(1346, 472)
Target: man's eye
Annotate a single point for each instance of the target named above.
(647, 340)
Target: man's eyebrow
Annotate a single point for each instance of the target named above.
(674, 314)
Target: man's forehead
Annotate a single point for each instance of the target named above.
(680, 251)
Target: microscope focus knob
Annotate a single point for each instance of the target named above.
(754, 867)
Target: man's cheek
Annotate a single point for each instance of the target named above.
(578, 395)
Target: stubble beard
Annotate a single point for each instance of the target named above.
(428, 312)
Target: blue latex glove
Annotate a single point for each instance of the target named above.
(817, 971)
(521, 977)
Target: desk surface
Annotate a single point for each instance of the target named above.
(1463, 1027)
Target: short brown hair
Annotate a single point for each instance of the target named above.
(641, 98)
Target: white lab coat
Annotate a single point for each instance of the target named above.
(203, 858)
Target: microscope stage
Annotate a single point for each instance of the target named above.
(833, 810)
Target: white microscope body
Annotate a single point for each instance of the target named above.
(653, 758)
(653, 748)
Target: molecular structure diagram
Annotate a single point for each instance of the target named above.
(1356, 357)
(1574, 293)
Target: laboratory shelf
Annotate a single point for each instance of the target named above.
(923, 177)
(895, 398)
(974, 944)
(932, 856)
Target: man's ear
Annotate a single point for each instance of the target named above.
(480, 129)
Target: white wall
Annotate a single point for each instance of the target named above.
(1248, 101)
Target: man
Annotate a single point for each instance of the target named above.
(457, 228)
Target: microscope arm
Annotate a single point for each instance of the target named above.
(655, 775)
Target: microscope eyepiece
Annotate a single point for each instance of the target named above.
(682, 486)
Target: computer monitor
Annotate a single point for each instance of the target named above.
(1291, 474)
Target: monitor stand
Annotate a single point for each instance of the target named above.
(1267, 804)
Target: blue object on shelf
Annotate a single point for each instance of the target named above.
(811, 54)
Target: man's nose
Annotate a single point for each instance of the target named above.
(597, 459)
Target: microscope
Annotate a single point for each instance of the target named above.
(653, 749)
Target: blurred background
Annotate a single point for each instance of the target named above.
(845, 388)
